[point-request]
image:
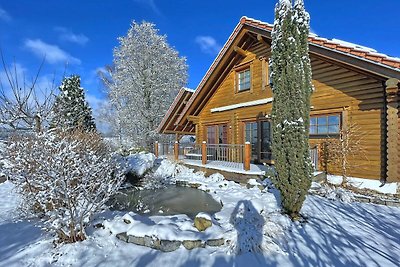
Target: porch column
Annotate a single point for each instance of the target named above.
(247, 156)
(176, 150)
(204, 153)
(156, 149)
(392, 134)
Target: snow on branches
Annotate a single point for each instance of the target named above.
(291, 84)
(146, 77)
(63, 178)
(71, 109)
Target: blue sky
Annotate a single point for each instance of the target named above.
(84, 33)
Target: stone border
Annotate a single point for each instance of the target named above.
(169, 245)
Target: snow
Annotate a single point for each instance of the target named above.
(352, 45)
(204, 216)
(137, 163)
(177, 227)
(233, 167)
(361, 183)
(244, 104)
(334, 233)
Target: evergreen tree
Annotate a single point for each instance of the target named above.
(71, 109)
(292, 88)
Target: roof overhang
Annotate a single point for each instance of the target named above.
(354, 57)
(168, 124)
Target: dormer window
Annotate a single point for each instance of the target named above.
(244, 80)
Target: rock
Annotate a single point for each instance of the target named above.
(181, 183)
(98, 225)
(202, 221)
(191, 244)
(152, 242)
(248, 186)
(123, 236)
(261, 187)
(137, 240)
(194, 185)
(215, 242)
(169, 245)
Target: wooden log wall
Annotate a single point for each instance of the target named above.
(336, 89)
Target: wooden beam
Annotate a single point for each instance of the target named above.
(261, 39)
(194, 119)
(240, 51)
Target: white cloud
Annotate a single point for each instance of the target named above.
(94, 101)
(67, 35)
(53, 53)
(4, 15)
(151, 4)
(208, 44)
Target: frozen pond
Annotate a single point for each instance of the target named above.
(170, 200)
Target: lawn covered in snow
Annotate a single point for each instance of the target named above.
(335, 233)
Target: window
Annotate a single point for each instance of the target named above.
(217, 134)
(243, 79)
(260, 137)
(251, 135)
(325, 125)
(211, 135)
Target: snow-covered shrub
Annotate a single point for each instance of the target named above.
(64, 179)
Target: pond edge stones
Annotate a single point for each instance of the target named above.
(168, 245)
(202, 221)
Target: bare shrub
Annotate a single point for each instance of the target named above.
(340, 151)
(64, 178)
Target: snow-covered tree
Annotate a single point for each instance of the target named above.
(71, 110)
(24, 104)
(64, 178)
(146, 77)
(292, 88)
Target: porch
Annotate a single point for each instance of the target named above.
(232, 158)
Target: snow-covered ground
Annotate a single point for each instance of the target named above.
(376, 185)
(335, 233)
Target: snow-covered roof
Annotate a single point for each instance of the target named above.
(336, 45)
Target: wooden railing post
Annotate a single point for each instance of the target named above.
(176, 150)
(204, 153)
(247, 156)
(156, 149)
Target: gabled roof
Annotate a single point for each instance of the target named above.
(338, 45)
(358, 57)
(167, 124)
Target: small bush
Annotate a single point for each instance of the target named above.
(64, 178)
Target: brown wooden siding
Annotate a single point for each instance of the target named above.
(336, 88)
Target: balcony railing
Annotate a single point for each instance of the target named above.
(215, 152)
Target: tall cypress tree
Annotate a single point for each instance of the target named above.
(71, 109)
(291, 84)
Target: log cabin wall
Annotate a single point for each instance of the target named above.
(359, 98)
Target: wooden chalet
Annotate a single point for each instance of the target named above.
(353, 85)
